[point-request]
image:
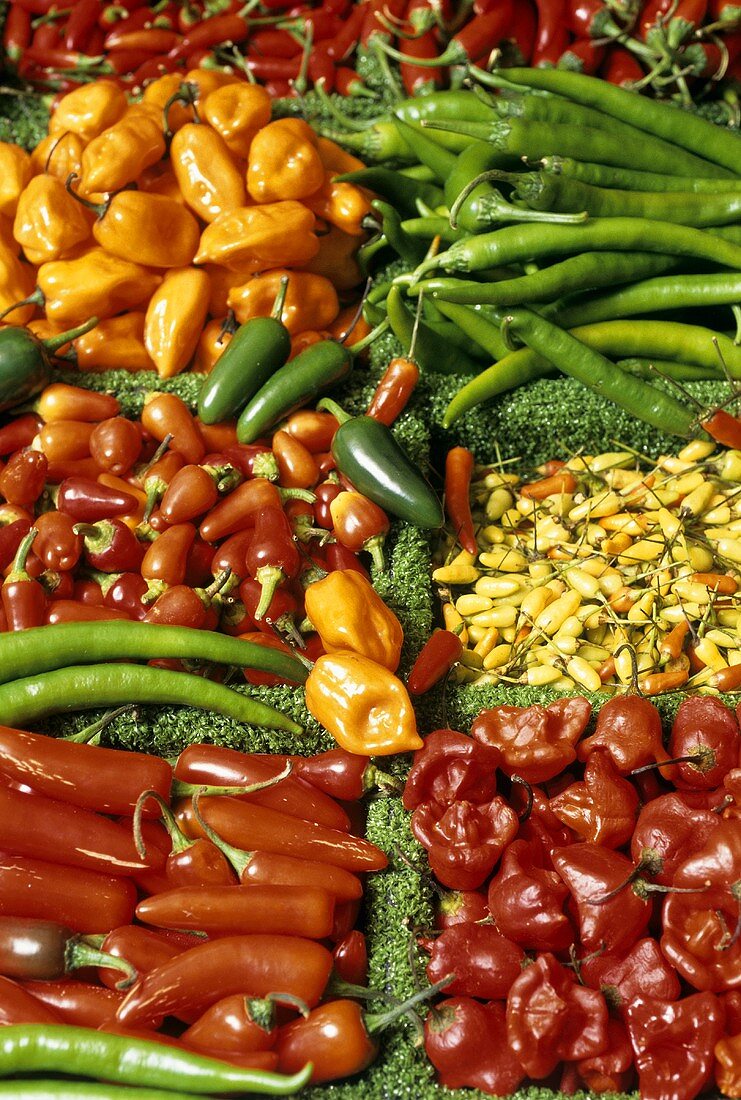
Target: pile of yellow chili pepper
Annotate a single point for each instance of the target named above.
(164, 217)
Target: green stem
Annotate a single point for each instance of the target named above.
(53, 343)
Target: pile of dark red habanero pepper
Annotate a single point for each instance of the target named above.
(592, 915)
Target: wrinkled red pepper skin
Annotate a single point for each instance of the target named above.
(667, 831)
(536, 742)
(450, 767)
(603, 807)
(464, 841)
(466, 1041)
(673, 1043)
(526, 900)
(703, 725)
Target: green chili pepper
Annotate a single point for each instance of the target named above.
(654, 296)
(80, 687)
(518, 243)
(123, 1059)
(66, 1089)
(406, 247)
(484, 330)
(478, 158)
(513, 370)
(679, 372)
(427, 150)
(431, 354)
(444, 104)
(255, 352)
(396, 188)
(367, 452)
(42, 648)
(25, 365)
(631, 179)
(432, 226)
(655, 117)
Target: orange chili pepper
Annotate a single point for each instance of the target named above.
(16, 169)
(311, 300)
(88, 110)
(237, 111)
(208, 176)
(335, 158)
(561, 482)
(297, 465)
(305, 339)
(16, 284)
(211, 343)
(159, 92)
(459, 463)
(48, 222)
(284, 162)
(116, 343)
(174, 319)
(120, 154)
(394, 390)
(341, 204)
(145, 228)
(260, 236)
(159, 179)
(95, 284)
(167, 414)
(59, 155)
(60, 401)
(166, 558)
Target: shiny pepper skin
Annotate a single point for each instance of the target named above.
(255, 238)
(88, 110)
(363, 705)
(485, 962)
(48, 221)
(466, 1041)
(119, 154)
(148, 229)
(237, 112)
(206, 171)
(174, 319)
(450, 767)
(348, 614)
(15, 173)
(284, 162)
(673, 1044)
(603, 807)
(464, 841)
(94, 284)
(536, 742)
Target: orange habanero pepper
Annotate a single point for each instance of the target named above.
(348, 614)
(341, 204)
(284, 162)
(159, 93)
(120, 154)
(16, 169)
(48, 221)
(145, 228)
(59, 155)
(336, 259)
(95, 284)
(88, 110)
(335, 158)
(260, 237)
(208, 176)
(211, 343)
(237, 112)
(174, 319)
(207, 81)
(16, 284)
(310, 302)
(116, 343)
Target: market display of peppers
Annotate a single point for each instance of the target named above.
(549, 894)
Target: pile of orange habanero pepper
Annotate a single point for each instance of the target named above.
(167, 217)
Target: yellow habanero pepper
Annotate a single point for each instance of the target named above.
(348, 614)
(160, 92)
(208, 176)
(336, 259)
(145, 228)
(237, 112)
(341, 204)
(174, 319)
(335, 158)
(114, 344)
(310, 303)
(364, 706)
(207, 81)
(48, 221)
(16, 284)
(121, 153)
(16, 169)
(95, 284)
(283, 162)
(260, 237)
(59, 155)
(211, 343)
(88, 110)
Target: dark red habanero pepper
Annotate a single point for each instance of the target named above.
(197, 978)
(603, 807)
(526, 900)
(644, 972)
(463, 840)
(459, 463)
(466, 1041)
(451, 767)
(707, 731)
(536, 742)
(611, 1071)
(673, 1044)
(552, 1019)
(667, 832)
(701, 929)
(23, 598)
(485, 963)
(628, 728)
(460, 907)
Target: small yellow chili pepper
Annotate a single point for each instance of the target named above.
(211, 343)
(348, 614)
(116, 343)
(160, 92)
(120, 154)
(341, 204)
(284, 162)
(16, 284)
(208, 176)
(88, 110)
(364, 706)
(59, 155)
(337, 260)
(207, 81)
(237, 112)
(48, 221)
(145, 228)
(174, 319)
(16, 169)
(95, 284)
(310, 302)
(260, 237)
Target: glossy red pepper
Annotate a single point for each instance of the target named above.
(359, 524)
(19, 433)
(673, 1043)
(193, 491)
(463, 840)
(144, 948)
(116, 444)
(87, 501)
(667, 832)
(552, 34)
(485, 963)
(19, 1006)
(10, 539)
(87, 901)
(111, 546)
(536, 742)
(466, 1041)
(526, 900)
(394, 390)
(643, 972)
(57, 544)
(441, 651)
(165, 559)
(603, 807)
(350, 958)
(16, 33)
(166, 414)
(629, 729)
(23, 598)
(24, 477)
(236, 1024)
(124, 592)
(707, 731)
(82, 1004)
(272, 557)
(190, 862)
(238, 509)
(197, 978)
(450, 767)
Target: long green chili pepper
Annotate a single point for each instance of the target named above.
(631, 179)
(534, 140)
(543, 191)
(123, 1059)
(379, 141)
(408, 248)
(431, 354)
(508, 373)
(444, 104)
(66, 1089)
(478, 158)
(447, 329)
(485, 330)
(556, 109)
(42, 648)
(518, 243)
(400, 190)
(655, 117)
(653, 296)
(679, 372)
(80, 687)
(427, 150)
(432, 226)
(586, 271)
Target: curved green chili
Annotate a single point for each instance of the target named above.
(66, 1089)
(479, 157)
(443, 104)
(486, 331)
(408, 248)
(513, 370)
(588, 270)
(125, 1059)
(430, 353)
(432, 226)
(426, 150)
(654, 296)
(518, 243)
(42, 648)
(82, 687)
(655, 117)
(534, 140)
(631, 179)
(396, 188)
(679, 372)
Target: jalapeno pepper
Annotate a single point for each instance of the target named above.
(25, 365)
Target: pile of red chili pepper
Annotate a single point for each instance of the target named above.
(591, 915)
(220, 891)
(675, 48)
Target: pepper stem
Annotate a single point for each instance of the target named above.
(280, 298)
(374, 546)
(36, 299)
(100, 209)
(181, 789)
(453, 55)
(376, 1022)
(360, 345)
(237, 857)
(328, 405)
(187, 93)
(180, 842)
(90, 735)
(53, 343)
(79, 953)
(269, 577)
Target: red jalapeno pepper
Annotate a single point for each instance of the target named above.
(58, 545)
(83, 1004)
(23, 598)
(87, 501)
(116, 444)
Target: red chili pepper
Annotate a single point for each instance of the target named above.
(274, 42)
(394, 390)
(87, 501)
(536, 742)
(150, 40)
(673, 1043)
(464, 841)
(16, 33)
(111, 546)
(582, 55)
(24, 477)
(485, 963)
(124, 592)
(19, 433)
(116, 444)
(199, 977)
(707, 731)
(180, 605)
(237, 510)
(451, 767)
(235, 1025)
(165, 559)
(359, 524)
(419, 46)
(212, 32)
(273, 68)
(439, 654)
(57, 545)
(153, 68)
(10, 539)
(23, 598)
(190, 862)
(166, 414)
(272, 557)
(461, 907)
(19, 1006)
(280, 620)
(338, 773)
(526, 900)
(520, 38)
(218, 766)
(603, 807)
(341, 557)
(667, 832)
(621, 67)
(466, 1041)
(297, 466)
(82, 1004)
(552, 36)
(393, 11)
(342, 45)
(350, 957)
(348, 83)
(85, 900)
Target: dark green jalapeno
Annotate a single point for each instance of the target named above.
(25, 361)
